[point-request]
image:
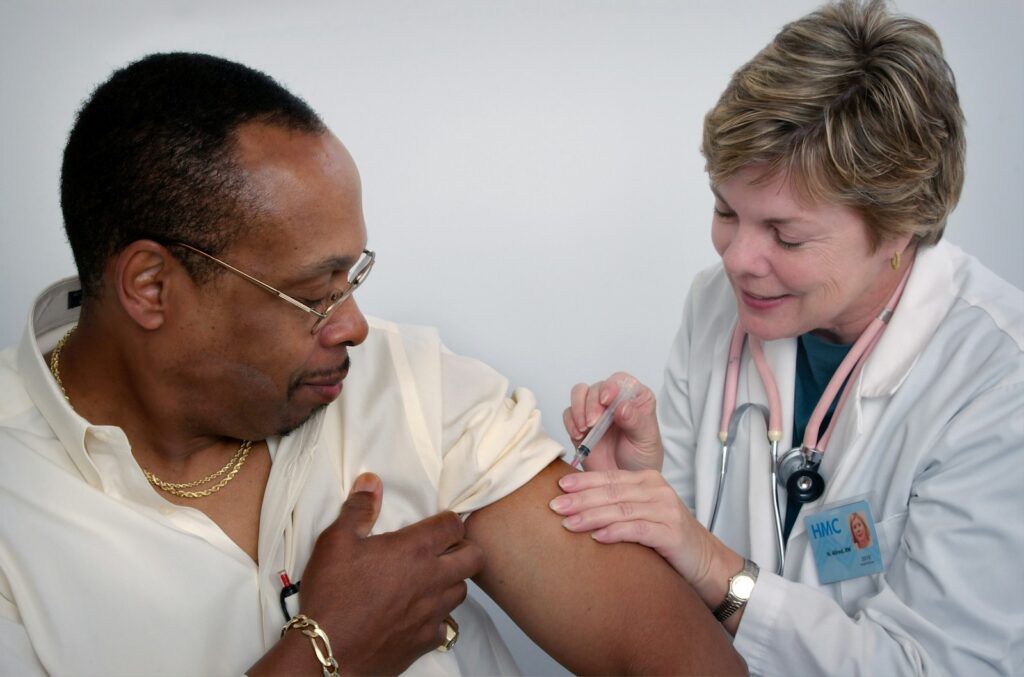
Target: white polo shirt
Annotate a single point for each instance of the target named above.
(99, 574)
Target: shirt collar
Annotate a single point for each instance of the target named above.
(54, 312)
(929, 294)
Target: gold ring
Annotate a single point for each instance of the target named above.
(451, 634)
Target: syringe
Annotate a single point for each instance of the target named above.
(627, 391)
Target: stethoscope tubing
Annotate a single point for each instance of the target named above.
(840, 384)
(734, 423)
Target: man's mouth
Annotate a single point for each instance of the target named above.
(325, 381)
(327, 387)
(327, 392)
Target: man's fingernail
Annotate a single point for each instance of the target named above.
(567, 482)
(572, 521)
(366, 482)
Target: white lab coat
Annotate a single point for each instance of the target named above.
(933, 437)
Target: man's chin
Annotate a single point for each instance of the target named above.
(292, 426)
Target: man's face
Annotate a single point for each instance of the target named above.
(250, 364)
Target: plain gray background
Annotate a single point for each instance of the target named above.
(532, 179)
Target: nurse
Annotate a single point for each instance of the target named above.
(835, 157)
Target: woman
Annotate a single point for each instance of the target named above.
(860, 534)
(835, 157)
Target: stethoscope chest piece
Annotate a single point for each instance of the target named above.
(797, 469)
(798, 472)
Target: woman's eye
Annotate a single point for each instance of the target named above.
(723, 213)
(786, 244)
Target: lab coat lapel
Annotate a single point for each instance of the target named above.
(926, 300)
(930, 293)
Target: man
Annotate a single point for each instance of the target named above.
(174, 441)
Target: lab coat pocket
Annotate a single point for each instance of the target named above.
(889, 532)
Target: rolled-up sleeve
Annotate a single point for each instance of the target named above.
(492, 441)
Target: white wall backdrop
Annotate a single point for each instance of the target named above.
(532, 180)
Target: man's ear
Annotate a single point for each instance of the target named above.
(141, 275)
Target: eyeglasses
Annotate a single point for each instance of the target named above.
(323, 308)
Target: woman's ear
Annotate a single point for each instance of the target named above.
(903, 244)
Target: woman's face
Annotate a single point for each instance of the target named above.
(797, 267)
(859, 530)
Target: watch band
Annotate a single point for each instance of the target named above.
(741, 585)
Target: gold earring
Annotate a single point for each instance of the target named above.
(895, 261)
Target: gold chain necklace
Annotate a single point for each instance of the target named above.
(177, 489)
(55, 361)
(236, 460)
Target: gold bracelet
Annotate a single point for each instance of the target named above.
(310, 629)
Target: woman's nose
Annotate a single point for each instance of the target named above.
(746, 252)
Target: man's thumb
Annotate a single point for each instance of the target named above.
(359, 512)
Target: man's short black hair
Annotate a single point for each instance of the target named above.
(151, 155)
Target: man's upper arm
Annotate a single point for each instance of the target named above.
(595, 608)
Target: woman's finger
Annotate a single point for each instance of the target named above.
(581, 481)
(634, 489)
(603, 516)
(578, 405)
(594, 406)
(660, 537)
(570, 427)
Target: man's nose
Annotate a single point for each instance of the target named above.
(347, 325)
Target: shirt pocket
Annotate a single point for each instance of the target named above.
(852, 591)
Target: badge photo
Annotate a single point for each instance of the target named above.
(844, 542)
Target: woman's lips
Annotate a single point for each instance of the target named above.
(757, 302)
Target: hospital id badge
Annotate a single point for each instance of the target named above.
(844, 542)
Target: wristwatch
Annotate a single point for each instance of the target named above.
(741, 586)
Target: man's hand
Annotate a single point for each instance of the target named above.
(380, 599)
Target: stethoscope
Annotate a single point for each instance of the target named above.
(797, 469)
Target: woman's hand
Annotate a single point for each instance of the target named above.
(641, 507)
(633, 442)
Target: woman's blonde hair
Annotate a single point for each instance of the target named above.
(857, 107)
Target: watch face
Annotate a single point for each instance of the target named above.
(742, 586)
